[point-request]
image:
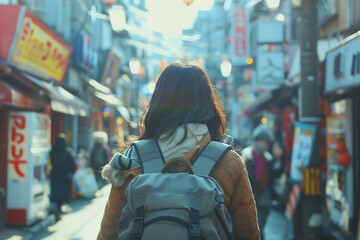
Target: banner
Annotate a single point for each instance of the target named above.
(38, 51)
(304, 135)
(240, 35)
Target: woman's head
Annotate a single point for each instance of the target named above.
(183, 94)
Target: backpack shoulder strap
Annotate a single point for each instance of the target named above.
(210, 157)
(150, 155)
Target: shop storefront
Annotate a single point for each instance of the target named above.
(18, 168)
(342, 91)
(33, 64)
(108, 112)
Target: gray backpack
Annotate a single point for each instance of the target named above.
(177, 206)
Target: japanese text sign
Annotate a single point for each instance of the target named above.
(38, 51)
(240, 31)
(17, 155)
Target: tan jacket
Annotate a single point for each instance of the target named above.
(231, 174)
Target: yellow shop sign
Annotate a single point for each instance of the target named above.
(39, 51)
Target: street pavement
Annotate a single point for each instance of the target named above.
(278, 227)
(81, 221)
(83, 216)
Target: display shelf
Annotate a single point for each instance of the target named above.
(334, 167)
(337, 131)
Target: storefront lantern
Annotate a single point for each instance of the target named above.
(340, 147)
(188, 2)
(142, 71)
(344, 159)
(162, 65)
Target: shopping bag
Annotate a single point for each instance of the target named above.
(85, 182)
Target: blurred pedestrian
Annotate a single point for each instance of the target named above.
(279, 182)
(183, 116)
(62, 169)
(99, 157)
(261, 171)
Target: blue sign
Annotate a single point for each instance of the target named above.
(85, 53)
(304, 136)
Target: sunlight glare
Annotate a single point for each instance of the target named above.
(170, 17)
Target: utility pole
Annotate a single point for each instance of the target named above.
(309, 220)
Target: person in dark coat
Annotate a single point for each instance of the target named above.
(99, 157)
(62, 169)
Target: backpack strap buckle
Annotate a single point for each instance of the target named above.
(138, 228)
(138, 224)
(194, 231)
(194, 225)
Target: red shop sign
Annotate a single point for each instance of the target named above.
(17, 159)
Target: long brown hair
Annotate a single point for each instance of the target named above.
(183, 94)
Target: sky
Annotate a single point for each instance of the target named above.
(170, 17)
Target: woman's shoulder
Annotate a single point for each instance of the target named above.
(231, 162)
(232, 158)
(229, 171)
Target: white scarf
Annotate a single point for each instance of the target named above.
(171, 147)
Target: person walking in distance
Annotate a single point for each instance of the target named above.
(183, 117)
(62, 169)
(99, 157)
(261, 171)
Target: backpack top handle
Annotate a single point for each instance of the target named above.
(175, 161)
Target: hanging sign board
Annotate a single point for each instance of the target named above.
(342, 68)
(39, 51)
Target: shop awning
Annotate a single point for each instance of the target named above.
(259, 102)
(61, 100)
(104, 93)
(278, 97)
(123, 112)
(11, 96)
(109, 98)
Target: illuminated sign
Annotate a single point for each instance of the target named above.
(38, 51)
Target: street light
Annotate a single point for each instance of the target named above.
(272, 4)
(225, 68)
(117, 17)
(135, 66)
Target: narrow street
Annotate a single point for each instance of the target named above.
(82, 222)
(277, 81)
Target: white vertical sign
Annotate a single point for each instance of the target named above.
(240, 35)
(17, 147)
